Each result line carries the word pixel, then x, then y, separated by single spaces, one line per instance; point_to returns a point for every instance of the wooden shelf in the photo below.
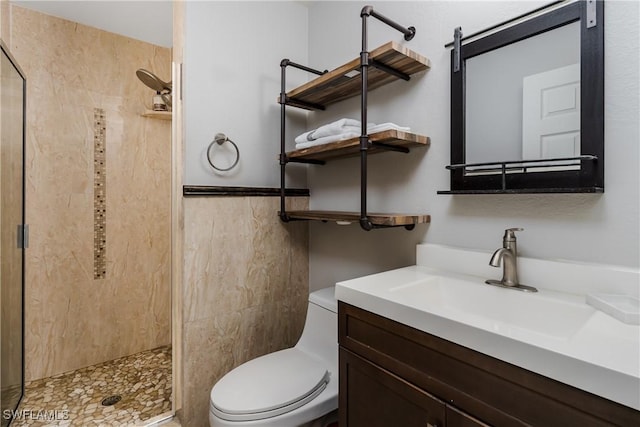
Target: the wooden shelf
pixel 162 115
pixel 351 147
pixel 387 63
pixel 344 81
pixel 354 217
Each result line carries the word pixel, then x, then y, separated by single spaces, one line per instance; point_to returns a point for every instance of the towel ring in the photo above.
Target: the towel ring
pixel 220 139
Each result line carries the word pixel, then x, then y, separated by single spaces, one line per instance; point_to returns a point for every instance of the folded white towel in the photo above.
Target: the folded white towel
pixel 353 133
pixel 386 126
pixel 328 139
pixel 335 128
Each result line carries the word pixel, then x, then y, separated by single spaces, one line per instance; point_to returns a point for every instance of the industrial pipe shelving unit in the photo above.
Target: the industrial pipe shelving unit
pixel 379 67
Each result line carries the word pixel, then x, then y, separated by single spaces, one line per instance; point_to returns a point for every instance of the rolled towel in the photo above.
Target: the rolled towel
pixel 334 128
pixel 302 138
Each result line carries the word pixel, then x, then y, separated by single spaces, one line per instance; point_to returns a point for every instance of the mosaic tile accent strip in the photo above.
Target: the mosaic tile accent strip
pixel 143 381
pixel 99 193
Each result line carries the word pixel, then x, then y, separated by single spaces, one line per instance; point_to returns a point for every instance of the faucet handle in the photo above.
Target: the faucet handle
pixel 510 235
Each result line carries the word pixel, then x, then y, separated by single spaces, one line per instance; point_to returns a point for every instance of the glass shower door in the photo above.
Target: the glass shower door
pixel 12 235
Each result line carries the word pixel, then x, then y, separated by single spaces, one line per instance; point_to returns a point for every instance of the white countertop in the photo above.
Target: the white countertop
pixel 553 333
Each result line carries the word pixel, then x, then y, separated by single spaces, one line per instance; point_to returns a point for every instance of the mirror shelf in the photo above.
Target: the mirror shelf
pixel 549 190
pixel 502 169
pixel 533 90
pixel 522 166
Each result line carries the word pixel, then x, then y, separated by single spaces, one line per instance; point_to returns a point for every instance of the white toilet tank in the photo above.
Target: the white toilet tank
pixel 320 335
pixel 289 388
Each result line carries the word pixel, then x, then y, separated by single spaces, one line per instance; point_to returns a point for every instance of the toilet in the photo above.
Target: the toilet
pixel 294 387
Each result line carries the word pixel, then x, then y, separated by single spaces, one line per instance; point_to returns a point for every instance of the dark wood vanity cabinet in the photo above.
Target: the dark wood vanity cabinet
pixel 379 398
pixel 376 397
pixel 394 375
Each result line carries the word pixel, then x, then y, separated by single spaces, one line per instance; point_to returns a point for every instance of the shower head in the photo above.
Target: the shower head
pixel 166 97
pixel 152 81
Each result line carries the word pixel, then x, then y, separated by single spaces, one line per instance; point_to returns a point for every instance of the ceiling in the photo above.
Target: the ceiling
pixel 146 20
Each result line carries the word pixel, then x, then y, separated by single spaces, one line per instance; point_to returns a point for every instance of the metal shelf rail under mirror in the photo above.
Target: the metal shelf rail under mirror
pixel 375 68
pixel 527 103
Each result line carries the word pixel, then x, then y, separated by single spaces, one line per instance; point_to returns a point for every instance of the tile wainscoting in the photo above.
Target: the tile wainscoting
pixel 245 288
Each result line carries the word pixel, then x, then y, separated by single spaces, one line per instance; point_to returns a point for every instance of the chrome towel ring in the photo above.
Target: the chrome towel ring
pixel 220 139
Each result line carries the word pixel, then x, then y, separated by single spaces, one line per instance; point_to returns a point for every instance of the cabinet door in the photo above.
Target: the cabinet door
pixel 456 418
pixel 373 397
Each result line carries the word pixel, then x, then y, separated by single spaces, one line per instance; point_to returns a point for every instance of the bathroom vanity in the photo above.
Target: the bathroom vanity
pixel 431 345
pixel 392 374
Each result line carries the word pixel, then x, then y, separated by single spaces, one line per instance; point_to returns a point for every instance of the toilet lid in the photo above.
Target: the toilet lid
pixel 268 386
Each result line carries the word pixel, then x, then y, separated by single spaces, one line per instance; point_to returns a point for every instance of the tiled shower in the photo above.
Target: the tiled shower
pixel 98 200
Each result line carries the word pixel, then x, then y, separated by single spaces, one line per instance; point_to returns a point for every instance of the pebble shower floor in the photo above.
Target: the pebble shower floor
pixel 142 380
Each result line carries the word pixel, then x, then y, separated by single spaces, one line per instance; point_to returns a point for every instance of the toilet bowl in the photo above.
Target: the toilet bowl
pixel 294 387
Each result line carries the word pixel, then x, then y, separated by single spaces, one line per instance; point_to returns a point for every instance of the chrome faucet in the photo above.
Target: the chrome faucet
pixel 507 255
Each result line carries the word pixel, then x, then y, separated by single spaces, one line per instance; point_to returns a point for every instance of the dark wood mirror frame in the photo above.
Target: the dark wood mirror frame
pixel 590 177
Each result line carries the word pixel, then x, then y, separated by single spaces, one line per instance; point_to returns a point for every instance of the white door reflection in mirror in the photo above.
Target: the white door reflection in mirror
pixel 551 115
pixel 493 91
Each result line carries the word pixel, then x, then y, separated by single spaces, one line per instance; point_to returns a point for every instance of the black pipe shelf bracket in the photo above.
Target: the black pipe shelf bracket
pixel 393 62
pixel 283 100
pixel 365 62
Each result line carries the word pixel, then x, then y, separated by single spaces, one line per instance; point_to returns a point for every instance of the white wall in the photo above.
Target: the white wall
pixel 232 80
pixel 591 228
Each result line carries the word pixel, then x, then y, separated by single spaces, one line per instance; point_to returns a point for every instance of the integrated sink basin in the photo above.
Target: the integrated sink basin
pixel 509 313
pixel 552 332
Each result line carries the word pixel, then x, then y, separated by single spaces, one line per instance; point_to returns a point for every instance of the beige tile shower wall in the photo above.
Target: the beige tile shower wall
pixel 245 289
pixel 5 34
pixel 72 319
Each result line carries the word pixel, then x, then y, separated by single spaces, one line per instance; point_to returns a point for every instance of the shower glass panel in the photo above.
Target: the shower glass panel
pixel 12 112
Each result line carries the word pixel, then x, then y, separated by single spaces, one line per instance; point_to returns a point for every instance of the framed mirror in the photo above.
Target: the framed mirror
pixel 527 105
